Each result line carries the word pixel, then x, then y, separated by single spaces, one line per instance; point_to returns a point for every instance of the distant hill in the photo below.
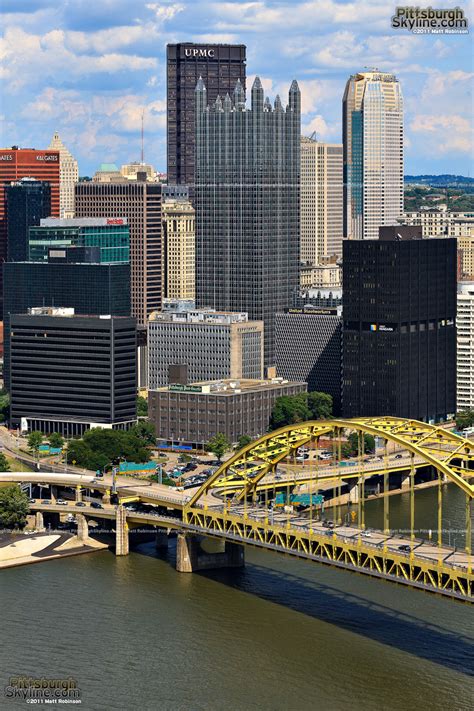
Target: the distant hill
pixel 440 180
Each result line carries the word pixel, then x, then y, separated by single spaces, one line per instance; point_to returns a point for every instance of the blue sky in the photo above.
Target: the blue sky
pixel 88 68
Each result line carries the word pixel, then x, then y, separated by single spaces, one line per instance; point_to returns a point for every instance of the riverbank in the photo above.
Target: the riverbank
pixel 24 549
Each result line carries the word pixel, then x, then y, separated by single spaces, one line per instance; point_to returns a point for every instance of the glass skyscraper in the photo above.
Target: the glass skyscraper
pixel 373 153
pixel 248 204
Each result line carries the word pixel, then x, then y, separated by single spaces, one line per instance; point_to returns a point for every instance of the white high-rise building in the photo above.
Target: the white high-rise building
pixel 465 346
pixel 68 176
pixel 321 200
pixel 373 153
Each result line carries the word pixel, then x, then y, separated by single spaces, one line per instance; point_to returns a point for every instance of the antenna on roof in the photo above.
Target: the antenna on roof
pixel 143 151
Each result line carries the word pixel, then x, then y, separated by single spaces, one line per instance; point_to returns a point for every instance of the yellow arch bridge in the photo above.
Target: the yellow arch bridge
pixel 237 504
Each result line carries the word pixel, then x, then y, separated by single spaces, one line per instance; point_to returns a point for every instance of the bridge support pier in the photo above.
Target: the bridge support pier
pixel 121 532
pixel 39 521
pixel 190 557
pixel 405 483
pixel 354 493
pixel 82 528
pixel 78 493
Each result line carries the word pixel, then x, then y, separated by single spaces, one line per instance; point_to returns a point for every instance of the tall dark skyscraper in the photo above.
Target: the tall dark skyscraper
pixel 248 204
pixel 399 333
pixel 27 202
pixel 219 65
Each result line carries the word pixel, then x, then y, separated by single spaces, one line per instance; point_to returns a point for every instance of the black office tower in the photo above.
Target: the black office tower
pixel 399 333
pixel 89 288
pixel 27 202
pixel 220 66
pixel 248 204
pixel 71 372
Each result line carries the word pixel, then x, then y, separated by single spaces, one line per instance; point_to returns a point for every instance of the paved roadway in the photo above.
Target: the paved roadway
pixel 377 539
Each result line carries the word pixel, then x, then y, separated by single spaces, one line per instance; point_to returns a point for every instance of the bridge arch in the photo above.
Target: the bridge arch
pixel 447 452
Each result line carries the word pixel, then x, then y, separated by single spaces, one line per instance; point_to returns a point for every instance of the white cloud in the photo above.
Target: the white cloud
pixel 444 132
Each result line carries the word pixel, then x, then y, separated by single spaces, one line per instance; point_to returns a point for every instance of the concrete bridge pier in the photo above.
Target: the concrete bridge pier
pixel 353 493
pixel 78 493
pixel 190 557
pixel 39 521
pixel 82 528
pixel 121 532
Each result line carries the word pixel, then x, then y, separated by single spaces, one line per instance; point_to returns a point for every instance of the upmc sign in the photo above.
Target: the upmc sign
pixel 199 52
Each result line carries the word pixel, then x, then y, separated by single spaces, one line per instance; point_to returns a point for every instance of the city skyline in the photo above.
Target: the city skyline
pixel 116 68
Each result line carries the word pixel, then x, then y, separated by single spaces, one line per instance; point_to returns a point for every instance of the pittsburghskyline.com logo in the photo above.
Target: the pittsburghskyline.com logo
pixel 428 20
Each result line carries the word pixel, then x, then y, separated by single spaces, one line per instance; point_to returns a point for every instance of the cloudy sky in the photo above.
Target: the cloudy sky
pixel 88 68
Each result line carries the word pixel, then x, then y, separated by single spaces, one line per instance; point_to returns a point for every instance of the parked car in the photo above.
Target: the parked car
pixel 61 502
pixel 96 505
pixel 32 501
pixel 80 503
pixel 46 501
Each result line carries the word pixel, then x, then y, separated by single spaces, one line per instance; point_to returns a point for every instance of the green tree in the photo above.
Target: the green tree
pixel 35 440
pixel 289 410
pixel 4 406
pixel 13 507
pixel 56 440
pixel 218 445
pixel 142 406
pixel 464 418
pixel 100 446
pixel 243 441
pixel 145 431
pixel 369 443
pixel 320 405
pixel 4 465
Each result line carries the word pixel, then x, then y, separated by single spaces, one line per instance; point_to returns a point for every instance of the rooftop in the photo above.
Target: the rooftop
pixel 230 387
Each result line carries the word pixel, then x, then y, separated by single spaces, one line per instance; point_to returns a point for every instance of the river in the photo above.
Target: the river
pixel 277 635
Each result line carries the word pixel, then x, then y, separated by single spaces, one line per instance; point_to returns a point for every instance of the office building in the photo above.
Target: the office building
pixel 399 333
pixel 466 257
pixel 319 298
pixel 465 346
pixel 321 276
pixel 372 130
pixel 17 163
pixel 110 234
pixel 441 222
pixel 139 202
pixel 71 372
pixel 27 201
pixel 132 170
pixel 68 176
pixel 248 204
pixel 179 249
pixel 107 173
pixel 308 344
pixel 192 414
pixel 87 286
pixel 321 200
pixel 211 344
pixel 219 66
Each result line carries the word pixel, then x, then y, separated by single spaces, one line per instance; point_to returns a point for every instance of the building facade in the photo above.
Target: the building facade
pixel 308 346
pixel 248 204
pixel 321 276
pixel 71 372
pixel 179 249
pixel 466 257
pixel 372 132
pixel 399 333
pixel 219 66
pixel 321 200
pixel 68 176
pixel 193 414
pixel 110 234
pixel 132 170
pixel 90 288
pixel 27 201
pixel 211 344
pixel 465 346
pixel 140 203
pixel 17 163
pixel 441 222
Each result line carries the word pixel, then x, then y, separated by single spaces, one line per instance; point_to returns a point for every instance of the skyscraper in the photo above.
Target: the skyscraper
pixel 179 249
pixel 321 200
pixel 248 204
pixel 465 346
pixel 140 202
pixel 399 333
pixel 27 202
pixel 373 153
pixel 68 176
pixel 219 65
